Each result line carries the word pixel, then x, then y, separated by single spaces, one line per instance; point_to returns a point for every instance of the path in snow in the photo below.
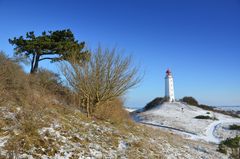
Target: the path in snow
pixel 169 116
pixel 212 127
pixel 209 137
pixel 168 127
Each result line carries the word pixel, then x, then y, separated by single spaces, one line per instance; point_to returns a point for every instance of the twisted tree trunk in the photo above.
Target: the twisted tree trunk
pixel 34 64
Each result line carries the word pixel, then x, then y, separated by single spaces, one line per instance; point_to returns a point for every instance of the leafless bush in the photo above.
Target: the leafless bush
pixel 105 77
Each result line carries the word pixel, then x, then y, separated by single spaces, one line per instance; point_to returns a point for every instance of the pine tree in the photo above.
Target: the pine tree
pixel 53 45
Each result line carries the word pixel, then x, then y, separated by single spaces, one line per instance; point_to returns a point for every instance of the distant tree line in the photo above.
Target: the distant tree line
pixel 192 101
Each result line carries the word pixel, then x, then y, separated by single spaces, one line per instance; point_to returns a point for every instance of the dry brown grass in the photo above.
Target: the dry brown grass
pixel 33 116
pixel 113 112
pixel 18 87
pixel 13 85
pixel 31 99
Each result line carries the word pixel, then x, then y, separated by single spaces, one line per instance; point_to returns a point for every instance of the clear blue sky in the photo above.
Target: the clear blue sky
pixel 199 40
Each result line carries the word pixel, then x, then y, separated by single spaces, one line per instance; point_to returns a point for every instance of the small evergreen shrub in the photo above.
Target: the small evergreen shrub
pixel 232 144
pixel 222 148
pixel 234 127
pixel 205 117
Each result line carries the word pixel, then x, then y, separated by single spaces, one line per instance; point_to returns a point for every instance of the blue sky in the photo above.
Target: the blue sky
pixel 198 40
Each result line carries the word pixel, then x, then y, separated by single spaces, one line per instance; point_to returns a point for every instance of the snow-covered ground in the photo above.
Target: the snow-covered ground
pixel 180 118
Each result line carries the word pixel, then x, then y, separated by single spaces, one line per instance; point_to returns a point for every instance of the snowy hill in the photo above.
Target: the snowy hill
pixel 180 118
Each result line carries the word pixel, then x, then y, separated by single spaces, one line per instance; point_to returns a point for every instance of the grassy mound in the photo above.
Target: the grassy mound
pixel 155 102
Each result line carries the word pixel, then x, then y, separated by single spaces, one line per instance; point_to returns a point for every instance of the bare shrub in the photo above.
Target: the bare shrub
pixel 105 77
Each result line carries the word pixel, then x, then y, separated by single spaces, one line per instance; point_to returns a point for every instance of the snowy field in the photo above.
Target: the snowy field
pixel 180 118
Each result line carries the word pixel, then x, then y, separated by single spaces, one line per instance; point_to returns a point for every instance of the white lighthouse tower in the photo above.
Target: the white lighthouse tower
pixel 169 89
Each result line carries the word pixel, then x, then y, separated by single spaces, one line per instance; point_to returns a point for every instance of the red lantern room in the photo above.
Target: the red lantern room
pixel 168 72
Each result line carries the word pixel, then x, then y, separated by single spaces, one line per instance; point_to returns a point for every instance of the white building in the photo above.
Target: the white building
pixel 169 89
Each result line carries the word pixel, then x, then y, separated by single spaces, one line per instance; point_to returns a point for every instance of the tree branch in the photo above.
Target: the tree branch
pixel 46 58
pixel 50 53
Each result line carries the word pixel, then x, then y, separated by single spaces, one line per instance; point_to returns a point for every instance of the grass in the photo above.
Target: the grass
pixel 112 112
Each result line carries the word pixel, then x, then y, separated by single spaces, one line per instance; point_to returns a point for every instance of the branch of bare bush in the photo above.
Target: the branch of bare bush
pixel 105 77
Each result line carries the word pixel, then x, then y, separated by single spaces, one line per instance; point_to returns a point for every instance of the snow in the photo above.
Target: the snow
pixel 95 150
pixel 179 118
pixel 212 127
pixel 222 131
pixel 3 141
pixel 122 146
pixel 26 156
pixel 130 109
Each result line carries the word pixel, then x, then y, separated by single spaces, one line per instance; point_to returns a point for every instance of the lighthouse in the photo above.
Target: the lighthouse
pixel 169 89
